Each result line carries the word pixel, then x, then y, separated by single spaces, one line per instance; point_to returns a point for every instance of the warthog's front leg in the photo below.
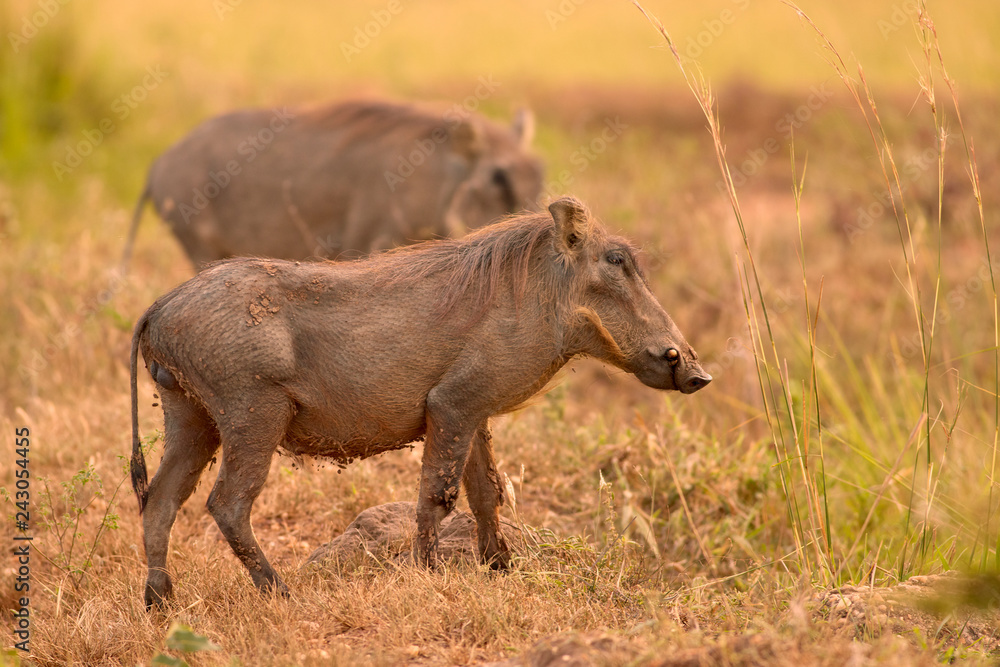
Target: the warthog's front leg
pixel 485 493
pixel 446 449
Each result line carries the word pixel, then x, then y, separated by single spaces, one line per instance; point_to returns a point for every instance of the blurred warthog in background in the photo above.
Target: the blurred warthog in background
pixel 338 181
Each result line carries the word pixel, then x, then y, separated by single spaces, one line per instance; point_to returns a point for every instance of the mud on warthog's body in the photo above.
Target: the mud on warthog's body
pixel 352 359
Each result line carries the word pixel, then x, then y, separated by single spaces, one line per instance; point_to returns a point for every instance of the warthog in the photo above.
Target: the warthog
pixel 348 360
pixel 336 181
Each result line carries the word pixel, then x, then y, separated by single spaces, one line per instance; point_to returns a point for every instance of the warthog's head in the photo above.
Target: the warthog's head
pixel 504 177
pixel 614 315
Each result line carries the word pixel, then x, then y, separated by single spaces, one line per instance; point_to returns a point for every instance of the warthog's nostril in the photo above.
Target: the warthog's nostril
pixel 695 383
pixel 672 355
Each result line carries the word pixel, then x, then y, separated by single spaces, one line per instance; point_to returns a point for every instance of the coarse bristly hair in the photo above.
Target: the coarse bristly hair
pixel 477 265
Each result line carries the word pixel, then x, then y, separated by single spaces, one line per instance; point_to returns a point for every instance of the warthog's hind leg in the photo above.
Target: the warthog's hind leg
pixel 191 440
pixel 248 443
pixel 485 493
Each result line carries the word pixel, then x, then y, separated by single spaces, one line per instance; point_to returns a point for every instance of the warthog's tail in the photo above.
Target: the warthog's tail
pixel 140 481
pixel 136 217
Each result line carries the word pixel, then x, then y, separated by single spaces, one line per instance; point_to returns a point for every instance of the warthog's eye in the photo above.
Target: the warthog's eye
pixel 672 355
pixel 501 179
pixel 615 258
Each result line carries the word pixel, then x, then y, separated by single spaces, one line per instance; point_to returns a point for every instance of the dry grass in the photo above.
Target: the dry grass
pixel 847 438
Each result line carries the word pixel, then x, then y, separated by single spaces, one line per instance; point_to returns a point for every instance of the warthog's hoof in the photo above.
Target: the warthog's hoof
pixel 498 562
pixel 428 559
pixel 426 551
pixel 270 584
pixel 494 552
pixel 157 596
pixel 279 589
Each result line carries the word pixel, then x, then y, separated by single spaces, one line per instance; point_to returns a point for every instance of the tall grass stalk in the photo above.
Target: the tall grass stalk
pixel 862 94
pixel 775 383
pixel 821 515
pixel 926 323
pixel 797 431
pixel 926 82
pixel 932 47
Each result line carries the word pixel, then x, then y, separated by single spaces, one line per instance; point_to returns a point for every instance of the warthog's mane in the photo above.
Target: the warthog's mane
pixel 479 267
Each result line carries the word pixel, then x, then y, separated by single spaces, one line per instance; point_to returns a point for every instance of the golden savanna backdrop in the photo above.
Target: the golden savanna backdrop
pixel 826 237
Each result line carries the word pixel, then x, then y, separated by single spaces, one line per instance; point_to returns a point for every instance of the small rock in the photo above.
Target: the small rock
pixel 387 531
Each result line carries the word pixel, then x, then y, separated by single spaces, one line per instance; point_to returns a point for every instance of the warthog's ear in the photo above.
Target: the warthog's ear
pixel 523 127
pixel 467 140
pixel 572 223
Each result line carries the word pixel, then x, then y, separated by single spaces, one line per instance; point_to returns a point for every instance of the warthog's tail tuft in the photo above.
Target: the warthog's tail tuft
pixel 140 480
pixel 136 217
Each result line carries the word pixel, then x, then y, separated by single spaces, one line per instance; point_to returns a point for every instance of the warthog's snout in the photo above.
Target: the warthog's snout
pixel 687 374
pixel 695 382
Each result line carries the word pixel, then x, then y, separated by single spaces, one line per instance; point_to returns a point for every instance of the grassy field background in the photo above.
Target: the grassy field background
pixel 850 435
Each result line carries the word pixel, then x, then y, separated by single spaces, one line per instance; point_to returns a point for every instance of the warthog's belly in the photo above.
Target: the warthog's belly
pixel 344 452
